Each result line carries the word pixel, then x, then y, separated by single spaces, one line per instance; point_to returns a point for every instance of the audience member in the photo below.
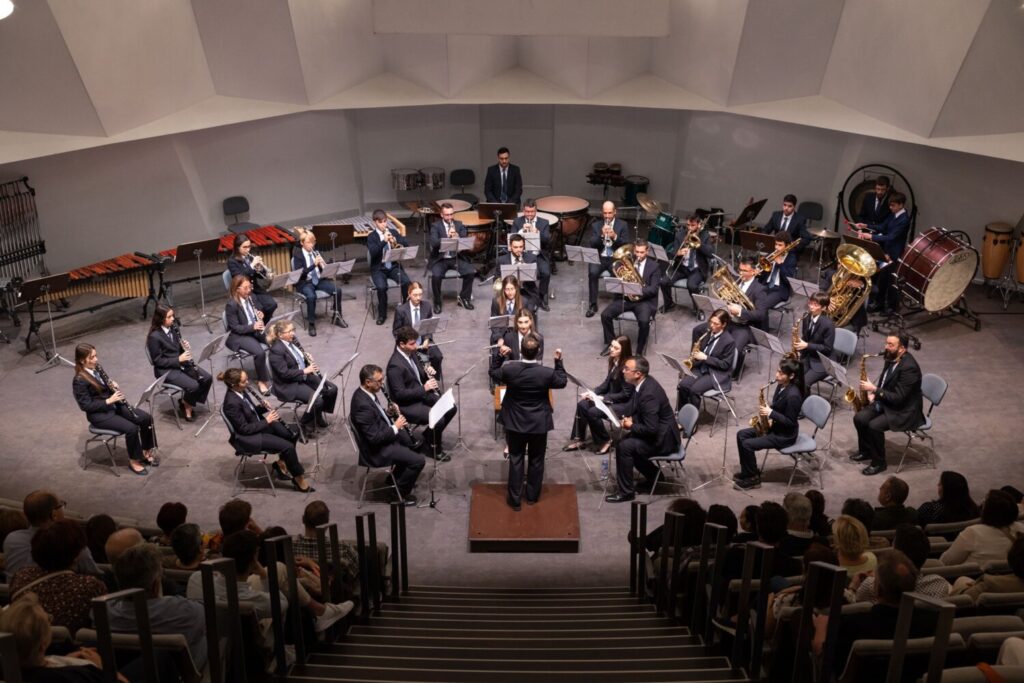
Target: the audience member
pixel 997 583
pixel 820 524
pixel 317 514
pixel 954 503
pixel 990 540
pixel 747 525
pixel 861 510
pixel 792 596
pixel 169 518
pixel 97 530
pixel 912 542
pixel 120 541
pixel 233 516
pixel 10 520
pixel 724 516
pixel 41 509
pixel 892 495
pixel 771 522
pixel 799 536
pixel 850 539
pixel 187 544
pixel 64 594
pixel 693 525
pixel 1017 495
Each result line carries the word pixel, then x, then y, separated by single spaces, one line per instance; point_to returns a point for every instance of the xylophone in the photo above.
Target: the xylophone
pixel 274 244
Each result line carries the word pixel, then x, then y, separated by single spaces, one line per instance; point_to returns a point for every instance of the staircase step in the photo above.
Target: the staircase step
pixel 500 675
pixel 620 602
pixel 518 633
pixel 500 662
pixel 617 591
pixel 490 642
pixel 522 621
pixel 342 653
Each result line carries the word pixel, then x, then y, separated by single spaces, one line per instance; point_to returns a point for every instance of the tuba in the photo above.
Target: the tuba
pixel 622 268
pixel 723 287
pixel 845 299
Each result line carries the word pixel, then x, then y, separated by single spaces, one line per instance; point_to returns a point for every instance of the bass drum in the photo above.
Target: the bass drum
pixel 936 269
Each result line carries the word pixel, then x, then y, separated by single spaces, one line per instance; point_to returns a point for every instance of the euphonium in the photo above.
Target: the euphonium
pixel 859 399
pixel 845 299
pixel 723 287
pixel 695 350
pixel 622 267
pixel 761 424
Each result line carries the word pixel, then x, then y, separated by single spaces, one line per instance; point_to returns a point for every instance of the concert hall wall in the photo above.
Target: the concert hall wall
pixel 155 193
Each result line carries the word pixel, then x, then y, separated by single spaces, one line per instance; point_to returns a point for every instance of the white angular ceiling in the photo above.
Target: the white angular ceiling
pixel 945 73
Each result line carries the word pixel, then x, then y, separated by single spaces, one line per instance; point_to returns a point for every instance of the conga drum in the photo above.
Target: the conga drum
pixel 1019 265
pixel 995 251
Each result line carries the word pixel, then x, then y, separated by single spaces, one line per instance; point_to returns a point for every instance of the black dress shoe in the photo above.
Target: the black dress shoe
pixel 667 307
pixel 465 303
pixel 515 506
pixel 380 321
pixel 859 457
pixel 531 502
pixel 312 329
pixel 544 305
pixel 620 497
pixel 309 488
pixel 321 422
pixel 340 322
pixel 746 483
pixel 437 309
pixel 591 311
pixel 873 469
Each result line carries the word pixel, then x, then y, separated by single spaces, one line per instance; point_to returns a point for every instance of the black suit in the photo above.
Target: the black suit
pixel 654 433
pixel 164 349
pixel 644 309
pixel 245 337
pixel 528 290
pixel 776 280
pixel 616 393
pixel 820 336
pixel 264 301
pixel 381 272
pixel 891 235
pixel 404 318
pixel 405 389
pixel 512 191
pixel 380 444
pixel 694 269
pixel 511 339
pixel 717 365
pixel 308 288
pixel 795 225
pixel 597 242
pixel 292 384
pixel 440 263
pixel 543 256
pixel 526 413
pixel 873 210
pixel 92 399
pixel 898 406
pixel 739 326
pixel 253 434
pixel 785 405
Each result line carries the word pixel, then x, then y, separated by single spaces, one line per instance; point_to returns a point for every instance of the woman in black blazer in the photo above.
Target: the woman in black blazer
pixel 510 344
pixel 245 324
pixel 241 262
pixel 509 298
pixel 107 408
pixel 168 354
pixel 616 393
pixel 295 379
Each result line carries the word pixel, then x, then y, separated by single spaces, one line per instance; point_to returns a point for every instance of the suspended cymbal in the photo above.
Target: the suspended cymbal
pixel 649 205
pixel 824 233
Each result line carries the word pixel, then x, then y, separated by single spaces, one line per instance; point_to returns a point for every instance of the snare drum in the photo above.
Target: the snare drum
pixel 433 177
pixel 406 179
pixel 663 230
pixel 936 269
pixel 995 250
pixel 635 184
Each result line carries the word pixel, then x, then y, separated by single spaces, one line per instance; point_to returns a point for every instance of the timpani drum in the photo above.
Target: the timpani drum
pixel 477 228
pixel 572 212
pixel 936 269
pixel 406 179
pixel 433 177
pixel 458 205
pixel 995 250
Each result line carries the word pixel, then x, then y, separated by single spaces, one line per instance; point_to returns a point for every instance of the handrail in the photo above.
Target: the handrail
pixel 207 569
pixel 105 640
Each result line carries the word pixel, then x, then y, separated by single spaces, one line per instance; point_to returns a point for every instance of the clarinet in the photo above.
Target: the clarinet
pixel 265 404
pixel 189 366
pixel 110 385
pixel 394 412
pixel 306 355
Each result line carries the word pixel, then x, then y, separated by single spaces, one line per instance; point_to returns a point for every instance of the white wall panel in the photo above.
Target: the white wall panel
pixel 420 59
pixel 473 59
pixel 559 60
pixel 528 132
pixel 611 61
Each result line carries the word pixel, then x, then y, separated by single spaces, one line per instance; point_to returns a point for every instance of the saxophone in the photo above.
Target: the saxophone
pixel 695 350
pixel 859 399
pixel 794 353
pixel 761 424
pixel 623 268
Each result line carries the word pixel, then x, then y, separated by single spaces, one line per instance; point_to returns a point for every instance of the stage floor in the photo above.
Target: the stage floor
pixel 44 431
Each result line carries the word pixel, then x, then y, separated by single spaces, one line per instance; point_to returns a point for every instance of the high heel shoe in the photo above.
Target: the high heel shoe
pixel 576 445
pixel 604 450
pixel 281 474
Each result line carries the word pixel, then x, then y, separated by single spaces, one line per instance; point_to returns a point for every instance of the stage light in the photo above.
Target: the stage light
pixel 6 7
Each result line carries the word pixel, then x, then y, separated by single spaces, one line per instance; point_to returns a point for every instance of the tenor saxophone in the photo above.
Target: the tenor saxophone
pixel 794 353
pixel 859 399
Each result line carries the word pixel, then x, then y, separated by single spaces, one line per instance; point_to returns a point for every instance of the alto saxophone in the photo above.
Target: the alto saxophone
pixel 695 350
pixel 857 398
pixel 761 423
pixel 794 353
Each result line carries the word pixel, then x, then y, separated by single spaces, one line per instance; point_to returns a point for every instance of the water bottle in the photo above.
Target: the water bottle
pixel 604 469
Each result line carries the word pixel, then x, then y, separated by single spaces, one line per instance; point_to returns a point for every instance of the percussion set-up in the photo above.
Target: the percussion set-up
pixel 1002 259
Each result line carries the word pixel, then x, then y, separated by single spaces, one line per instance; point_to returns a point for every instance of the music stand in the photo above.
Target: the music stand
pixel 587 256
pixel 284 316
pixel 532 240
pixel 749 213
pixel 32 290
pixel 659 252
pixel 676 365
pixel 206 355
pixel 770 342
pixel 623 289
pixel 147 397
pixel 802 287
pixel 331 272
pixel 498 212
pixel 457 385
pixel 758 242
pixel 708 304
pixel 437 412
pixel 839 373
pixel 400 254
pixel 339 234
pixel 284 280
pixel 499 322
pixel 344 380
pixel 524 272
pixel 316 438
pixel 199 250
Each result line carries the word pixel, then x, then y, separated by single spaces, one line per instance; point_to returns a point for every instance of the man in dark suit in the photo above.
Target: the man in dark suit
pixel 784 411
pixel 776 280
pixel 381 441
pixel 817 335
pixel 440 263
pixel 688 264
pixel 516 255
pixel 531 223
pixel 712 361
pixel 606 235
pixel 741 319
pixel 644 309
pixel 874 209
pixel 790 221
pixel 504 182
pixel 895 404
pixel 526 413
pixel 379 242
pixel 415 390
pixel 409 314
pixel 652 430
pixel 891 234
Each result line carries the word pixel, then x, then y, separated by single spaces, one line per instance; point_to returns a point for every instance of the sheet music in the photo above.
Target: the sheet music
pixel 439 409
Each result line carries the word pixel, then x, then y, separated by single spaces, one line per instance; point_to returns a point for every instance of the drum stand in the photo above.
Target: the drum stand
pixel 1008 284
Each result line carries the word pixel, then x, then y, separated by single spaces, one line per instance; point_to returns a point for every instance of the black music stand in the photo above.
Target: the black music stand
pixel 30 291
pixel 749 213
pixel 757 242
pixel 199 250
pixel 498 212
pixel 339 235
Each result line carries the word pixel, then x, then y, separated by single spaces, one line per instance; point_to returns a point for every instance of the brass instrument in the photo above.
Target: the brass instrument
pixel 264 275
pixel 761 423
pixel 695 350
pixel 692 241
pixel 189 367
pixel 112 385
pixel 857 398
pixel 764 263
pixel 608 239
pixel 844 297
pixel 400 224
pixel 722 286
pixel 622 268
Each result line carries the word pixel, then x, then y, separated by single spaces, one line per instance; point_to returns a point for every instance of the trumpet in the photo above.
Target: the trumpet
pixel 256 263
pixel 608 235
pixel 112 385
pixel 695 350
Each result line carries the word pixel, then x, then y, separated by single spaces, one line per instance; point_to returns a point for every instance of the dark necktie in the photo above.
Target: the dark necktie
pixel 785 222
pixel 416 316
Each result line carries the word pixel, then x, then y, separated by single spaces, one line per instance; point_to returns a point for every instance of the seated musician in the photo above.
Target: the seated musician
pixel 414 389
pixel 246 328
pixel 379 242
pixel 386 443
pixel 895 404
pixel 259 428
pixel 891 235
pixel 859 319
pixel 296 376
pixel 689 264
pixel 242 262
pixel 644 308
pixel 714 347
pixel 742 317
pixel 169 354
pixel 440 263
pixel 817 335
pixel 106 407
pixel 532 224
pixel 509 346
pixel 614 391
pixel 409 314
pixel 776 279
pixel 650 430
pixel 607 234
pixel 305 257
pixel 507 301
pixel 517 255
pixel 783 410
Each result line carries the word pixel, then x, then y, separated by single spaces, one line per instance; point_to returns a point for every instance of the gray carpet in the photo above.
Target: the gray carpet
pixel 44 431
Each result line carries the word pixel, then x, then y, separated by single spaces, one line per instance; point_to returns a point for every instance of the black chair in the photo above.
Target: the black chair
pixel 235 207
pixel 245 455
pixel 461 178
pixel 812 211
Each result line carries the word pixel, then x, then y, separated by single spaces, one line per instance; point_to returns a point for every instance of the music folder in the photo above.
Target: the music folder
pixel 659 252
pixel 500 322
pixel 439 409
pixel 333 270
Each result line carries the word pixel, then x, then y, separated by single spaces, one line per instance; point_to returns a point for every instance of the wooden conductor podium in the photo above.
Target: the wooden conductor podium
pixel 550 526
